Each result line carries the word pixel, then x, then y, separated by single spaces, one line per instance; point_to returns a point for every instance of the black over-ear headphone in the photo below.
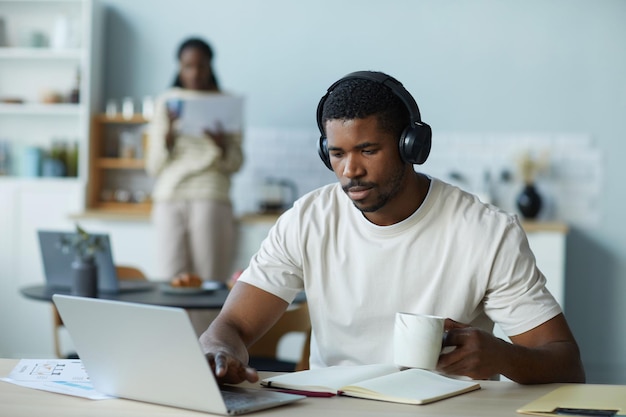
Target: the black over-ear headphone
pixel 414 142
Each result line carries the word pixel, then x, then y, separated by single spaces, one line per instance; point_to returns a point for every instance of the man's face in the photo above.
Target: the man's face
pixel 366 161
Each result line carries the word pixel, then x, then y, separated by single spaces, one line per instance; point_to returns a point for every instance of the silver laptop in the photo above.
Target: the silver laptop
pixel 151 353
pixel 57 265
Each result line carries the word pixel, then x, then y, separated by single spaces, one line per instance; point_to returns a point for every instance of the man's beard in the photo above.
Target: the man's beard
pixel 395 184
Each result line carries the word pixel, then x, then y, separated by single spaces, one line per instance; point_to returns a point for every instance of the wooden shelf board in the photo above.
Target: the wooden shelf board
pixel 56 109
pixel 130 207
pixel 119 119
pixel 117 214
pixel 39 53
pixel 120 163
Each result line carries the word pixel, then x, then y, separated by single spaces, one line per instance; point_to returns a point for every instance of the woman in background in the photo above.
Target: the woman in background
pixel 192 210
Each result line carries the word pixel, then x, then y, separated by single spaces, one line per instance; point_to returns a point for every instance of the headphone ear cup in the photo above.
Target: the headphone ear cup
pixel 322 150
pixel 415 143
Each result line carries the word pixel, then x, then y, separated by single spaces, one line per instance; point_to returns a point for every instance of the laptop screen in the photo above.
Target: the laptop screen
pixel 57 264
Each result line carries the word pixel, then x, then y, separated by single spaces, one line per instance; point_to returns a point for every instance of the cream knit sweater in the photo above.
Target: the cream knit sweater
pixel 196 168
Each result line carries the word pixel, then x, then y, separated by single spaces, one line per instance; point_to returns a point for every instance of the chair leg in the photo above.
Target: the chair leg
pixel 303 364
pixel 57 324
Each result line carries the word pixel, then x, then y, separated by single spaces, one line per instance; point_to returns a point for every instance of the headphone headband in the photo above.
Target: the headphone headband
pixel 387 80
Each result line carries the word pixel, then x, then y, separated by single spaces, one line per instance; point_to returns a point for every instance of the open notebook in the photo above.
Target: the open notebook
pixel 383 382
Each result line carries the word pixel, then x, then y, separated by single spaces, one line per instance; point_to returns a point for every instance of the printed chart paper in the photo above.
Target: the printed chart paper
pixel 63 376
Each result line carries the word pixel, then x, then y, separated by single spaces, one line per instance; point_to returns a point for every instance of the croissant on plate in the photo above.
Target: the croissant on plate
pixel 186 280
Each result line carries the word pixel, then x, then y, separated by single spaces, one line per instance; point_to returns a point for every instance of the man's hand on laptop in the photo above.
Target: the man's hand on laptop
pixel 228 369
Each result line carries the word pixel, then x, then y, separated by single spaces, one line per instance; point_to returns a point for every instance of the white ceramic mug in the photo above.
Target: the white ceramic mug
pixel 417 340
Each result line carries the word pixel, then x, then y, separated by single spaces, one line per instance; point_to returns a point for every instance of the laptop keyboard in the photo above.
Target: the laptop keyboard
pixel 241 399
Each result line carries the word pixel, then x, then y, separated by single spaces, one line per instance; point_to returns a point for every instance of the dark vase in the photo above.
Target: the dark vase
pixel 85 280
pixel 529 202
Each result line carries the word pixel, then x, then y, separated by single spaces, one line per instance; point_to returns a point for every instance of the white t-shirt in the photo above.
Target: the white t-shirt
pixel 454 257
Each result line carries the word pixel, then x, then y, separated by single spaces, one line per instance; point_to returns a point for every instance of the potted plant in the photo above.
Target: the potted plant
pixel 84 247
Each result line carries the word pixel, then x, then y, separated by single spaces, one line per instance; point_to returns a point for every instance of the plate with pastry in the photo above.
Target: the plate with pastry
pixel 190 284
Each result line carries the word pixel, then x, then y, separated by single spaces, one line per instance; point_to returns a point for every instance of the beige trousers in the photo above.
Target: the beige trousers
pixel 196 237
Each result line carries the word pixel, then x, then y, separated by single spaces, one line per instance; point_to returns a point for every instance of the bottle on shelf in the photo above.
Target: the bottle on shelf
pixel 71 160
pixel 128 108
pixel 147 107
pixel 128 145
pixel 5 158
pixel 111 108
pixel 3 33
pixel 60 38
pixel 31 162
pixel 54 161
pixel 75 92
pixel 484 192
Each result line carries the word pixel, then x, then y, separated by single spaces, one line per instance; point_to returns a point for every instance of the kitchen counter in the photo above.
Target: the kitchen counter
pixel 533 226
pixel 265 218
pixel 112 215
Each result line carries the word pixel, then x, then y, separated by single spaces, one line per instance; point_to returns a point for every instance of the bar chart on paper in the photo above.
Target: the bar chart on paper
pixel 64 376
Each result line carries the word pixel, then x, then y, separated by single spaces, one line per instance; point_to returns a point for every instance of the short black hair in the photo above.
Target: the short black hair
pixel 202 46
pixel 357 98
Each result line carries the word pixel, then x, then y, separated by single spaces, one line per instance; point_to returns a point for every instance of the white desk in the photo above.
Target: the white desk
pixel 497 399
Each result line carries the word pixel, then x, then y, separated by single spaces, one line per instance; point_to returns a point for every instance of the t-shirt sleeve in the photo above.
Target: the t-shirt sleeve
pixel 517 298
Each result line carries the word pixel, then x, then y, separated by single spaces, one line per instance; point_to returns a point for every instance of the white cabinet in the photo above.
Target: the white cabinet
pixel 26 206
pixel 549 249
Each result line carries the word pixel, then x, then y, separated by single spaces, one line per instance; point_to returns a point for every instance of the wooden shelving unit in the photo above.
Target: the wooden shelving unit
pixel 116 179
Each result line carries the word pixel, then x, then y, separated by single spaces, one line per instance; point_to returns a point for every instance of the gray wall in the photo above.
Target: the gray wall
pixel 550 66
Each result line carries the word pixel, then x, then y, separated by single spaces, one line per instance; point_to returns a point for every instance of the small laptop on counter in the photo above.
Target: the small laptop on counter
pixel 57 265
pixel 151 353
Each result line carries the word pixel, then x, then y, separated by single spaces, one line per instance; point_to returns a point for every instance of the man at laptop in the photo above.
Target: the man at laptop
pixel 386 239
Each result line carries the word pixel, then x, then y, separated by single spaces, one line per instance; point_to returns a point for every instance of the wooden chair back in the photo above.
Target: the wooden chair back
pixel 129 273
pixel 295 319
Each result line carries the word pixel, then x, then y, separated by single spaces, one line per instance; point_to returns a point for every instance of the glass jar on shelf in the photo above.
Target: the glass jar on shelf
pixel 128 108
pixel 128 145
pixel 5 157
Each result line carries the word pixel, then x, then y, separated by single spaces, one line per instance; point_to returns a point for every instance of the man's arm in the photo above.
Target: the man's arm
pixel 547 353
pixel 248 313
